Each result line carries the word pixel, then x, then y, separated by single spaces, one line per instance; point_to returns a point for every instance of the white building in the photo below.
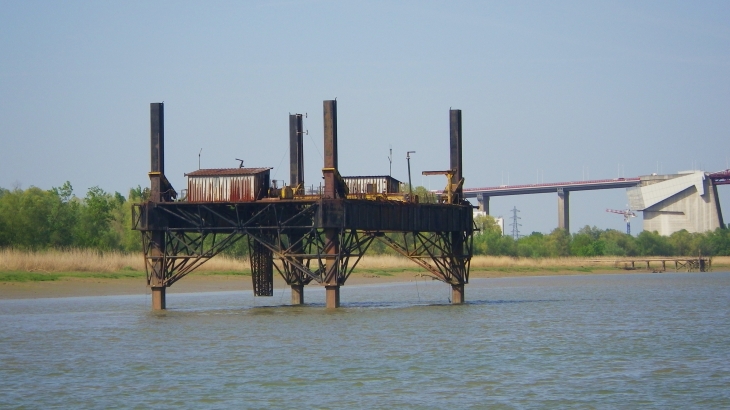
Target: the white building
pixel 499 220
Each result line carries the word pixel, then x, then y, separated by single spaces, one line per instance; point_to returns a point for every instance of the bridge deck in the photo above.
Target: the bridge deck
pixel 552 187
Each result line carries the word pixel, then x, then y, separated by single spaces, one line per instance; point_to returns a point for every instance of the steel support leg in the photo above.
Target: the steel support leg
pixel 457 294
pixel 333 297
pixel 157 277
pixel 297 294
pixel 158 298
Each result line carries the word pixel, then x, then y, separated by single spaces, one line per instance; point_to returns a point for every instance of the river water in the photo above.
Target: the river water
pixel 598 341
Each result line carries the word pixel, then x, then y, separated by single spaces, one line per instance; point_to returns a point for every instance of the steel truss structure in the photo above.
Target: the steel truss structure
pixel 290 237
pixel 449 252
pixel 304 238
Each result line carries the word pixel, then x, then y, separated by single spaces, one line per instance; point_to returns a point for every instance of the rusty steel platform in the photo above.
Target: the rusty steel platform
pixel 304 238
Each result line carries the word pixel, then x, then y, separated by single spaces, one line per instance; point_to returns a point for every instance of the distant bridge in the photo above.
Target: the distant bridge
pixel 667 204
pixel 503 190
pixel 562 188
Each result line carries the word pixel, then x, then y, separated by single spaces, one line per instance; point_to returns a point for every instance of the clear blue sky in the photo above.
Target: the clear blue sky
pixel 563 90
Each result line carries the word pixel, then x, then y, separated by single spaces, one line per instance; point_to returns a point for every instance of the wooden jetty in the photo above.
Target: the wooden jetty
pixel 690 264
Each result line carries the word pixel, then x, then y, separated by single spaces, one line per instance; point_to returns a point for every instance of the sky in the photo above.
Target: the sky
pixel 549 91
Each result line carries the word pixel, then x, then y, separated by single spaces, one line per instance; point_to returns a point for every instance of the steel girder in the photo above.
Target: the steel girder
pixel 195 233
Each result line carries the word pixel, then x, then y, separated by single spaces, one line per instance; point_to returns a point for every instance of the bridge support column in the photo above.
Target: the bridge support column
pixel 563 209
pixel 716 198
pixel 483 201
pixel 297 294
pixel 457 294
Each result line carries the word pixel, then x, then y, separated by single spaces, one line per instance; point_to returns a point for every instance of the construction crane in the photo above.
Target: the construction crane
pixel 628 214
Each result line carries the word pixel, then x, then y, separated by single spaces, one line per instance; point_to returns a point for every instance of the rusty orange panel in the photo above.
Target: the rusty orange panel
pixel 228 185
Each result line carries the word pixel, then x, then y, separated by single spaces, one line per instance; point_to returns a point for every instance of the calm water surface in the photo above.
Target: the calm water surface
pixel 602 341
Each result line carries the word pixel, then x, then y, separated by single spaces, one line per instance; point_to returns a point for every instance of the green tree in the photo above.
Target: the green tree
pixel 719 242
pixel 682 243
pixel 618 243
pixel 93 228
pixel 63 216
pixel 653 244
pixel 139 194
pixel 702 244
pixel 533 246
pixel 424 195
pixel 586 242
pixel 489 239
pixel 558 243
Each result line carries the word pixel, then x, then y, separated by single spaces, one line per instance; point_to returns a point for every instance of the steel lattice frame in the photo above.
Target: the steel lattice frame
pixel 183 253
pixel 450 264
pixel 286 237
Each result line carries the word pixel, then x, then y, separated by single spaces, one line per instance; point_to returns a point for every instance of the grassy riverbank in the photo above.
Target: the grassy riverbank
pixel 91 273
pixel 21 266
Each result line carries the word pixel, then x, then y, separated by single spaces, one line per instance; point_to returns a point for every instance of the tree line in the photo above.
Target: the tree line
pixel 37 219
pixel 592 241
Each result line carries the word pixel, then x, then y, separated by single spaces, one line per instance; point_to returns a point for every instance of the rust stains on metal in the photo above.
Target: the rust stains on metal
pixel 375 184
pixel 228 184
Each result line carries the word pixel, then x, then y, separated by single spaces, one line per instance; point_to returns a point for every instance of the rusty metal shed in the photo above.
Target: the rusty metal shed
pixel 375 184
pixel 228 184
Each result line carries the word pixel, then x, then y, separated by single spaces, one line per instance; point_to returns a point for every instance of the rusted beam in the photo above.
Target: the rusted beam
pixel 458 271
pixel 332 240
pixel 330 148
pixel 455 150
pixel 157 171
pixel 262 268
pixel 296 151
pixel 157 137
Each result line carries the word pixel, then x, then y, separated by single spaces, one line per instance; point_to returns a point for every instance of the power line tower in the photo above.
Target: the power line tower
pixel 515 226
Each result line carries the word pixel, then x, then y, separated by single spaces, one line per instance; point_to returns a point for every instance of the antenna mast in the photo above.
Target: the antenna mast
pixel 390 160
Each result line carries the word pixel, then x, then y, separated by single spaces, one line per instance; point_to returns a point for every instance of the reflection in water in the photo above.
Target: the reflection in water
pixel 601 340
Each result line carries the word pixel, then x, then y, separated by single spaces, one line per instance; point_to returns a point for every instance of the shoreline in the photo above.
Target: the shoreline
pixel 80 286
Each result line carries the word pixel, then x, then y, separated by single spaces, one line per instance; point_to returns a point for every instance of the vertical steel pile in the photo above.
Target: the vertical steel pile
pixel 331 235
pixel 457 241
pixel 157 176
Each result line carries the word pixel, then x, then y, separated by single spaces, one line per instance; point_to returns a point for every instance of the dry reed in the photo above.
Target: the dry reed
pixel 94 261
pixel 84 260
pixel 489 262
pixel 486 262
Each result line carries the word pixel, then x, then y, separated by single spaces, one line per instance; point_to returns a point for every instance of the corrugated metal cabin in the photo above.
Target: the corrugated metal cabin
pixel 377 184
pixel 228 184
